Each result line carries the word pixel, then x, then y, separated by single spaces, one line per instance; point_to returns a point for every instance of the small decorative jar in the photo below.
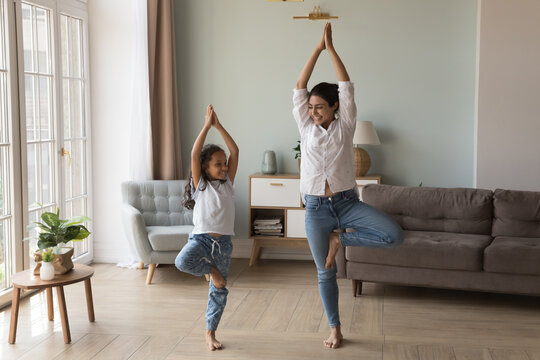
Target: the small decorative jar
pixel 46 271
pixel 269 163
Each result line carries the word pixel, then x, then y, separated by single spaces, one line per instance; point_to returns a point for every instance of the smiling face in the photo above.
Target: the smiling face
pixel 321 113
pixel 217 166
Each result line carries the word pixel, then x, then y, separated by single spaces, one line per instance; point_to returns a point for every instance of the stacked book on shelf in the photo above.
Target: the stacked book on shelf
pixel 268 226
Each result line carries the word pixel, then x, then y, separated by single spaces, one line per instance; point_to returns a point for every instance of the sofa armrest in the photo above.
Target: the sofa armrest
pixel 340 263
pixel 136 232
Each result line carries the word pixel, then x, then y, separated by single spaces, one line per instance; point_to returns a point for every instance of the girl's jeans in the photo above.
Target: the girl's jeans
pixel 197 257
pixel 344 210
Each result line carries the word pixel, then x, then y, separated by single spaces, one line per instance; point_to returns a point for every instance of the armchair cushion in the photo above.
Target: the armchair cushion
pixel 168 238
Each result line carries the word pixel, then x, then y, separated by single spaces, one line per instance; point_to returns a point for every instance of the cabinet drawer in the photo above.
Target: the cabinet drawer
pixel 296 224
pixel 275 192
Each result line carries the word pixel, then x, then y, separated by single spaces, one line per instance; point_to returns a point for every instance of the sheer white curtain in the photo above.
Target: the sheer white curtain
pixel 140 154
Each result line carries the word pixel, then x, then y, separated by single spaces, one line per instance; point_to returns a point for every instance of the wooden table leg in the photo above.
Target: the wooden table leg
pixel 89 300
pixel 50 304
pixel 14 314
pixel 63 314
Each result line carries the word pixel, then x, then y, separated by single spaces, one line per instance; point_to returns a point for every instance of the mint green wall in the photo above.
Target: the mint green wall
pixel 412 62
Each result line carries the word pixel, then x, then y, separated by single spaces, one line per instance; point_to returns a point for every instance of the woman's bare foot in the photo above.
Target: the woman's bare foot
pixel 217 279
pixel 335 339
pixel 333 247
pixel 211 340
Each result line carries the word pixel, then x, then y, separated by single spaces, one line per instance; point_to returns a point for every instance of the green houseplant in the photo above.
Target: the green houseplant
pixel 46 272
pixel 55 233
pixel 297 153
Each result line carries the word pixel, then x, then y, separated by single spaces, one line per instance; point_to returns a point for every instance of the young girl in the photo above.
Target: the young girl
pixel 326 119
pixel 210 194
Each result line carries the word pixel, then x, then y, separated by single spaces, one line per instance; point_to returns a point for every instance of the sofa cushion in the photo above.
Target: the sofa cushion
pixel 513 255
pixel 458 210
pixel 168 238
pixel 516 213
pixel 433 250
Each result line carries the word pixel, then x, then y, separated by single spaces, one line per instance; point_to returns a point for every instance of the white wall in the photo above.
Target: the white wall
pixel 508 149
pixel 413 64
pixel 412 61
pixel 111 47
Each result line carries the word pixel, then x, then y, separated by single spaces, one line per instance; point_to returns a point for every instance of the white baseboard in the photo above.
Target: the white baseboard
pixel 241 250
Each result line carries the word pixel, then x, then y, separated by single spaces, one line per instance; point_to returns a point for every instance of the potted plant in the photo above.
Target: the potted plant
pixel 297 153
pixel 55 233
pixel 46 271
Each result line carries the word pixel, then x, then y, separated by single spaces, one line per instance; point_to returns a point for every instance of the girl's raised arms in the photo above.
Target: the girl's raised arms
pixel 231 145
pixel 198 145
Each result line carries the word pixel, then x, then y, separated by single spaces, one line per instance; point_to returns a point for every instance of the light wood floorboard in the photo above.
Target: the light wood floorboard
pixel 273 312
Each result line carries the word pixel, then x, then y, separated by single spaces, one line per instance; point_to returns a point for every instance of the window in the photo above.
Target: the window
pixel 44 115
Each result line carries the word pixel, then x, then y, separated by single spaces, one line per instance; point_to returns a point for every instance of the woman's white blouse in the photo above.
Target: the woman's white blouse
pixel 327 155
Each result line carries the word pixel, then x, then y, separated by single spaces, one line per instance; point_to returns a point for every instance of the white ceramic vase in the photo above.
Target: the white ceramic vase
pixel 46 271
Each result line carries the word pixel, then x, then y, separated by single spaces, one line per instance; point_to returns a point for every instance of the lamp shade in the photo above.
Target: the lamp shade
pixel 365 134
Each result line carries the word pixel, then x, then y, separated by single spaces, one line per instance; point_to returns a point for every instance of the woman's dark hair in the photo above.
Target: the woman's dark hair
pixel 329 92
pixel 206 154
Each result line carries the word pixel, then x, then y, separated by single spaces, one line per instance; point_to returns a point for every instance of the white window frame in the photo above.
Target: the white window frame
pixel 15 61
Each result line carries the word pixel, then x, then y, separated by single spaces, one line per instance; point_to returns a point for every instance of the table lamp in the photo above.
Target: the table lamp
pixel 364 134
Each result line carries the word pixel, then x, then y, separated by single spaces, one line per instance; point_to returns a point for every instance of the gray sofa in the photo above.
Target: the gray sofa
pixel 155 221
pixel 468 239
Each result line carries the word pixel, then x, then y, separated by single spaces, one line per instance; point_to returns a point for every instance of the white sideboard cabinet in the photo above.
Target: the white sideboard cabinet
pixel 276 212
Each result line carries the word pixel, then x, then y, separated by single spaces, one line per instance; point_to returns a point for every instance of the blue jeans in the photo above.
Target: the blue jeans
pixel 344 210
pixel 198 256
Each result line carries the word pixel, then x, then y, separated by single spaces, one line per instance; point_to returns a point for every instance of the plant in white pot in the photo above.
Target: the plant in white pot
pixel 55 233
pixel 46 271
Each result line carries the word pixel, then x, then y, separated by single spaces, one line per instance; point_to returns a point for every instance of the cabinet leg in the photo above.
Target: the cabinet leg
pixel 255 252
pixel 357 287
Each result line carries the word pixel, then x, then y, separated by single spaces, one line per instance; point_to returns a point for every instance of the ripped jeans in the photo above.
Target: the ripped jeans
pixel 372 228
pixel 197 257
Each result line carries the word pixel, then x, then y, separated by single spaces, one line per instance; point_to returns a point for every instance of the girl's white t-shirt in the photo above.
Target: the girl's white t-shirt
pixel 214 207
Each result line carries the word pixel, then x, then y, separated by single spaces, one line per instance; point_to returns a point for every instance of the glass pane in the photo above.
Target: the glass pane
pixel 75 41
pixel 4 128
pixel 2 40
pixel 66 109
pixel 76 113
pixel 45 108
pixel 33 172
pixel 4 180
pixel 79 208
pixel 67 174
pixel 28 38
pixel 32 235
pixel 30 102
pixel 47 168
pixel 42 25
pixel 64 31
pixel 78 171
pixel 4 237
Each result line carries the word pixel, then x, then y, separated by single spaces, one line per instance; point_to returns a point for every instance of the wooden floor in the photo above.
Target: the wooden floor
pixel 273 312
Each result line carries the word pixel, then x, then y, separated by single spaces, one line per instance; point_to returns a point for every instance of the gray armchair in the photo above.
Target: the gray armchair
pixel 155 220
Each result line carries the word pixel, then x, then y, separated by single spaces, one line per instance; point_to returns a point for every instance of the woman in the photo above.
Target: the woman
pixel 326 119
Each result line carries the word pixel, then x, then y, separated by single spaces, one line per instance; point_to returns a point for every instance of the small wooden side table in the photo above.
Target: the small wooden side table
pixel 27 280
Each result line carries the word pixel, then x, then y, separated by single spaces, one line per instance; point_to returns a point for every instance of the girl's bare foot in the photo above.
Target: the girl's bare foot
pixel 217 279
pixel 335 339
pixel 211 340
pixel 333 247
